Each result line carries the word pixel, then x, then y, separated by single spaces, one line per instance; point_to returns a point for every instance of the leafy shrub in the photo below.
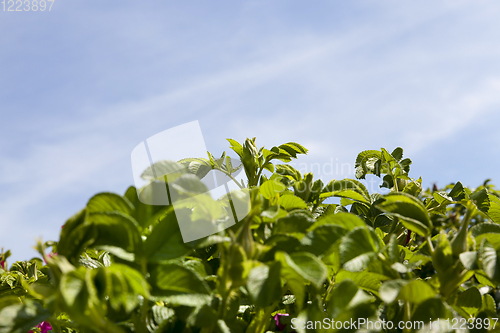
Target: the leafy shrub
pixel 122 266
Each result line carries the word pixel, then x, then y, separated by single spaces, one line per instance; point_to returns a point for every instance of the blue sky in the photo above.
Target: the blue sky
pixel 82 85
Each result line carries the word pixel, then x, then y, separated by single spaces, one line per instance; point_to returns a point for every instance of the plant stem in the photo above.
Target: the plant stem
pixel 407 315
pixel 459 242
pixel 330 287
pixel 258 176
pixel 429 242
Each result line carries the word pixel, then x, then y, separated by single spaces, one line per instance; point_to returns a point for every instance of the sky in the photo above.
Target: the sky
pixel 83 84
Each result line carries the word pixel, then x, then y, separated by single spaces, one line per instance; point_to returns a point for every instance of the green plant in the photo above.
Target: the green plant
pixel 409 255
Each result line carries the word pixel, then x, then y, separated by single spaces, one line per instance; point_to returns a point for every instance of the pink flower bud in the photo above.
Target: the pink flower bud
pixel 43 326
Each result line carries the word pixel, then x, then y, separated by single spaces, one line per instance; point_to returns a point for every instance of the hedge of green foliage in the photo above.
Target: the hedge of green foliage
pixel 294 263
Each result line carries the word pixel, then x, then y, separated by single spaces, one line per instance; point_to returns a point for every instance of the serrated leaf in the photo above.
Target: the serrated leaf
pixel 470 300
pixel 368 281
pixel 489 261
pixel 109 202
pixel 416 292
pixel 236 146
pixel 300 268
pixel 469 260
pixel 165 241
pixel 345 220
pixel 321 238
pixel 358 247
pixel 430 310
pixel 397 153
pixel 263 284
pixel 173 278
pixel 305 264
pixel 494 209
pixel 160 169
pixel 414 187
pixel 410 210
pixel 294 222
pixel 271 188
pixel 290 202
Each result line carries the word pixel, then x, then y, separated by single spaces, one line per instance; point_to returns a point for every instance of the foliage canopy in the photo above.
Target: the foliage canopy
pixel 411 254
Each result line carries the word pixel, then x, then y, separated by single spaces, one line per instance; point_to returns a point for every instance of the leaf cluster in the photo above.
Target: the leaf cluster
pixel 122 266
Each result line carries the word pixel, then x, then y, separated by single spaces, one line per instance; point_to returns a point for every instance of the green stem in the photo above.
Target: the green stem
pixel 429 243
pixel 145 301
pixel 223 283
pixel 230 176
pixel 330 287
pixel 459 242
pixel 407 315
pixel 234 180
pixel 258 176
pixel 395 181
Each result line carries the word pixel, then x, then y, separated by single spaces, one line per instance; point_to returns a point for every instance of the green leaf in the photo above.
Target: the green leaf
pixel 365 163
pixel 346 296
pixel 271 188
pixel 410 210
pixel 300 268
pixel 288 170
pixel 345 220
pixel 347 188
pixel 368 281
pixel 20 318
pixel 489 261
pixel 470 300
pixel 494 209
pixel 431 310
pixel 442 198
pixel 116 229
pixel 120 284
pixel 389 290
pixel 341 296
pixel 416 292
pixel 488 304
pixel 191 300
pixel 485 228
pixel 481 200
pixel 457 192
pixel 187 186
pixel 320 239
pixel 165 241
pixel 297 147
pixel 73 291
pixel 101 229
pixel 306 265
pixel 75 235
pixel 443 257
pixel 236 146
pixel 174 278
pixel 294 222
pixel 348 194
pixel 290 202
pixel 414 187
pixel 160 169
pixel 142 213
pixel 469 260
pixel 263 284
pixel 109 202
pixel 358 248
pixel 397 153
